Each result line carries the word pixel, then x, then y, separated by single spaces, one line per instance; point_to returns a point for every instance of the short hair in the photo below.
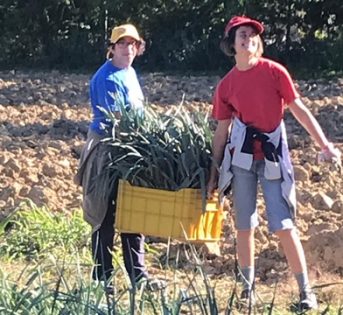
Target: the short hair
pixel 228 42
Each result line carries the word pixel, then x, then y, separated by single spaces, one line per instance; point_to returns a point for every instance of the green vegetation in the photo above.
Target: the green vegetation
pixel 181 35
pixel 31 232
pixel 56 280
pixel 170 150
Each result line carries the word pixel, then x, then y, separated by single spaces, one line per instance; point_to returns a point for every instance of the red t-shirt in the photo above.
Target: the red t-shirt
pixel 256 96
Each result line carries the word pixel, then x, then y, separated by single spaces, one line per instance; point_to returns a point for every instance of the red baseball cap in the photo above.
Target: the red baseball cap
pixel 243 20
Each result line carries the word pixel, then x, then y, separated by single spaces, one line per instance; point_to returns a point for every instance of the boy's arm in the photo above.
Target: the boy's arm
pixel 218 146
pixel 310 123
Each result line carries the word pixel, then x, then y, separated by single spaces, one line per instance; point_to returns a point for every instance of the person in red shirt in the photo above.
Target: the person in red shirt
pixel 256 92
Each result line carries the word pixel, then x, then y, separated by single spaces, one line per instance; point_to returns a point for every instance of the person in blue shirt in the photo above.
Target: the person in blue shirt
pixel 113 88
pixel 115 84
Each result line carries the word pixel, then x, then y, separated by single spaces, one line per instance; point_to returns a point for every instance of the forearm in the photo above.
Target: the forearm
pixel 218 147
pixel 309 122
pixel 217 157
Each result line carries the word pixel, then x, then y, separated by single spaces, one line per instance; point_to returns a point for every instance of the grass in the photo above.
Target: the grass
pixel 31 231
pixel 46 269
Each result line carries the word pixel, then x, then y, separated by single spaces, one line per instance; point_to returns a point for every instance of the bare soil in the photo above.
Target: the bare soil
pixel 43 124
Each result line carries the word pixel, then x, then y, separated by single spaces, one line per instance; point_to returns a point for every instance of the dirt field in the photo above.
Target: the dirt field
pixel 43 124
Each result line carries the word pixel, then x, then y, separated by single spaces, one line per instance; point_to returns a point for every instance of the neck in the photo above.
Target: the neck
pixel 244 63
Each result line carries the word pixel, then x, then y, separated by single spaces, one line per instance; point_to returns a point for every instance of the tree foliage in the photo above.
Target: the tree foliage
pixel 181 35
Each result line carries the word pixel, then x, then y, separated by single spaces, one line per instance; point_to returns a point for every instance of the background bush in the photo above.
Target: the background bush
pixel 181 35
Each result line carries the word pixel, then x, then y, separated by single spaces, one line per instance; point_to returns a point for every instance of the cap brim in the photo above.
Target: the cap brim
pixel 128 34
pixel 255 24
pixel 258 26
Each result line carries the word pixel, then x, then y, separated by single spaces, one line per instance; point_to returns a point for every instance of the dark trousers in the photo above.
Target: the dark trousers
pixel 132 247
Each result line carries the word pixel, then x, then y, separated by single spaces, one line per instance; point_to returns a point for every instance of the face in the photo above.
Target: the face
pixel 246 40
pixel 124 51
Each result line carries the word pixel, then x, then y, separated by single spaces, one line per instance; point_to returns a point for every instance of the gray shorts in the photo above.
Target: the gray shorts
pixel 244 190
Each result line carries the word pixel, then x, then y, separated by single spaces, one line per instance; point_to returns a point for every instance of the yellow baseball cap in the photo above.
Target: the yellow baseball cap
pixel 124 30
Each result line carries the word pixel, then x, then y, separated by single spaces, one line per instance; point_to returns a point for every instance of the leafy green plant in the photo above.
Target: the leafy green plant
pixel 33 230
pixel 68 290
pixel 170 150
pixel 64 286
pixel 37 295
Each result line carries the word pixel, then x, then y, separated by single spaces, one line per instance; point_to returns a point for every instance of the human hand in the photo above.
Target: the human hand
pixel 212 186
pixel 330 154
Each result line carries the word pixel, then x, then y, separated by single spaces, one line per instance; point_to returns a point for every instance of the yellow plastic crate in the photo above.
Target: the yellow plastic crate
pixel 164 213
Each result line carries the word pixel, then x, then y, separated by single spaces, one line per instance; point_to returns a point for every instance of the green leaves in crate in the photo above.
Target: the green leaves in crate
pixel 163 150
